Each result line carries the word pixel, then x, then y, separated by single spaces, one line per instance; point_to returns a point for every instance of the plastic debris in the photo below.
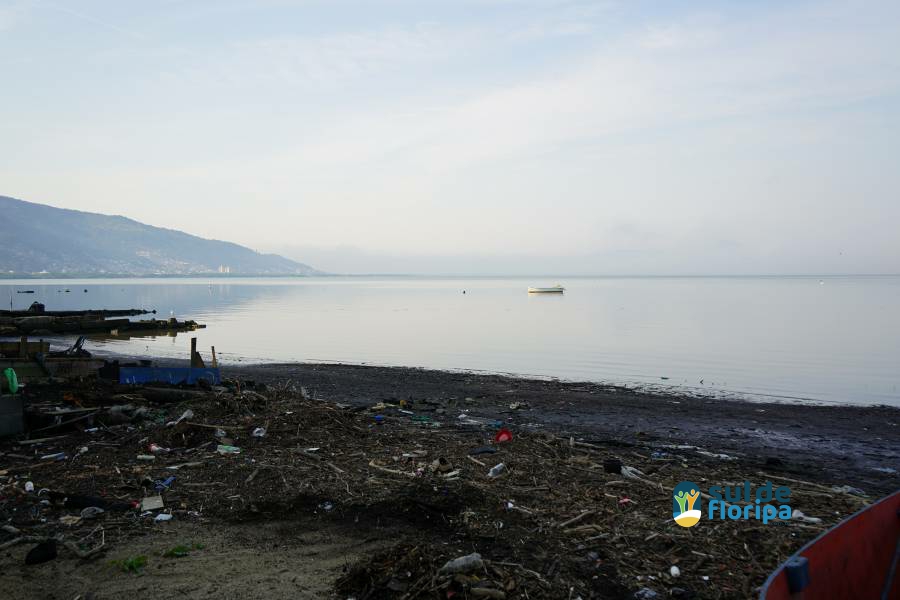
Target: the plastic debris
pixel 224 449
pixel 720 456
pixel 674 571
pixel 157 449
pixel 463 564
pixel 57 456
pixel 147 457
pixel 91 512
pixel 504 435
pixel 612 465
pixel 798 515
pixel 161 517
pixel 152 503
pixel 188 414
pixel 846 489
pixel 259 432
pixel 29 486
pixel 43 552
pixel 482 450
pixel 165 484
pixel 646 594
pixel 631 472
pixel 497 470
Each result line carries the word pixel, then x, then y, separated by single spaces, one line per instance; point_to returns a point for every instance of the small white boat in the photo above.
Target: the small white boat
pixel 556 289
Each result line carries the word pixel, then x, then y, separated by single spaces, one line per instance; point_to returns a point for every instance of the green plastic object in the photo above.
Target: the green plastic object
pixel 12 380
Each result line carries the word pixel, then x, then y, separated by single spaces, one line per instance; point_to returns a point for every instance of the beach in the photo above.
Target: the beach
pixel 367 480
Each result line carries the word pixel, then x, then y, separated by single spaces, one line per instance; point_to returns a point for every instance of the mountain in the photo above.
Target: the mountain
pixel 37 239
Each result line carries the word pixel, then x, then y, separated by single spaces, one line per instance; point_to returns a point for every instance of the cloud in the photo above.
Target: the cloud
pixel 610 137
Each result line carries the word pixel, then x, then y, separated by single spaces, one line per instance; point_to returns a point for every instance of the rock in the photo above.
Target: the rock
pixel 463 564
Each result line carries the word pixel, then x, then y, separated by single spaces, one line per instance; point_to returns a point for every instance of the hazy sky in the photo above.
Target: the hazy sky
pixel 470 136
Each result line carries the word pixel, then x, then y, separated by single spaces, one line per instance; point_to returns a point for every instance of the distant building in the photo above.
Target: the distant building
pixel 224 269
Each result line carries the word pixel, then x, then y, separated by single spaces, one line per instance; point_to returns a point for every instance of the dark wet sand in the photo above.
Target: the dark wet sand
pixel 811 442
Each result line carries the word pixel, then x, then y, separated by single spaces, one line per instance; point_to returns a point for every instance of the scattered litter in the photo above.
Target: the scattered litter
pixel 798 515
pixel 846 489
pixel 259 432
pixel 161 517
pixel 720 456
pixel 152 503
pixel 497 470
pixel 224 449
pixel 646 594
pixel 482 450
pixel 91 512
pixel 188 414
pixel 165 484
pixel 504 435
pixel 631 472
pixel 887 470
pixel 674 571
pixel 29 486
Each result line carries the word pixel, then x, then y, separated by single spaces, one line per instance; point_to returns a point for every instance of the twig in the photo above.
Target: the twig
pixel 574 520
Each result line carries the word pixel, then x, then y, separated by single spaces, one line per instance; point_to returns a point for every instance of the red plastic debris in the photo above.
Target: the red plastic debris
pixel 504 435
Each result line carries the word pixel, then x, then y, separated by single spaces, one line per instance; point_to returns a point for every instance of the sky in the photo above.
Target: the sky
pixel 471 136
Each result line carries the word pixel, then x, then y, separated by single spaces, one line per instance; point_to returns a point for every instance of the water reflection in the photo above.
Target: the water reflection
pixel 786 337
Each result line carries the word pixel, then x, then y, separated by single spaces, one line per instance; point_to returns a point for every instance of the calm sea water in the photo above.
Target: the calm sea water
pixel 835 340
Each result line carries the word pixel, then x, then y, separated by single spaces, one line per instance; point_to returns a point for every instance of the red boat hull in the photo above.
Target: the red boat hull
pixel 854 559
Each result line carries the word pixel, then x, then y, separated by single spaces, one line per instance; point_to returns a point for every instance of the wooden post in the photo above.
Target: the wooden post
pixel 196 361
pixel 215 361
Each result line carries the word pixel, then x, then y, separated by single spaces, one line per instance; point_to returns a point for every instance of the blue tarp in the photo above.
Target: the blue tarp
pixel 172 375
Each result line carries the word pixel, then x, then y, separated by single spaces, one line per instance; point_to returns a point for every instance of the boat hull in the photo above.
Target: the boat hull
pixel 854 559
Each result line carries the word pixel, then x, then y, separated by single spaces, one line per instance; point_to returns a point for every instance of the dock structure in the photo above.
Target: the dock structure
pixel 37 321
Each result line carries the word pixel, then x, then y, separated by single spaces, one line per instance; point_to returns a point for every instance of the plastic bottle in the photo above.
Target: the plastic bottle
pixel 495 471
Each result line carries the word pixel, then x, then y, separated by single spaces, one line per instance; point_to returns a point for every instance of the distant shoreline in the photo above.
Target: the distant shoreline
pixel 215 275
